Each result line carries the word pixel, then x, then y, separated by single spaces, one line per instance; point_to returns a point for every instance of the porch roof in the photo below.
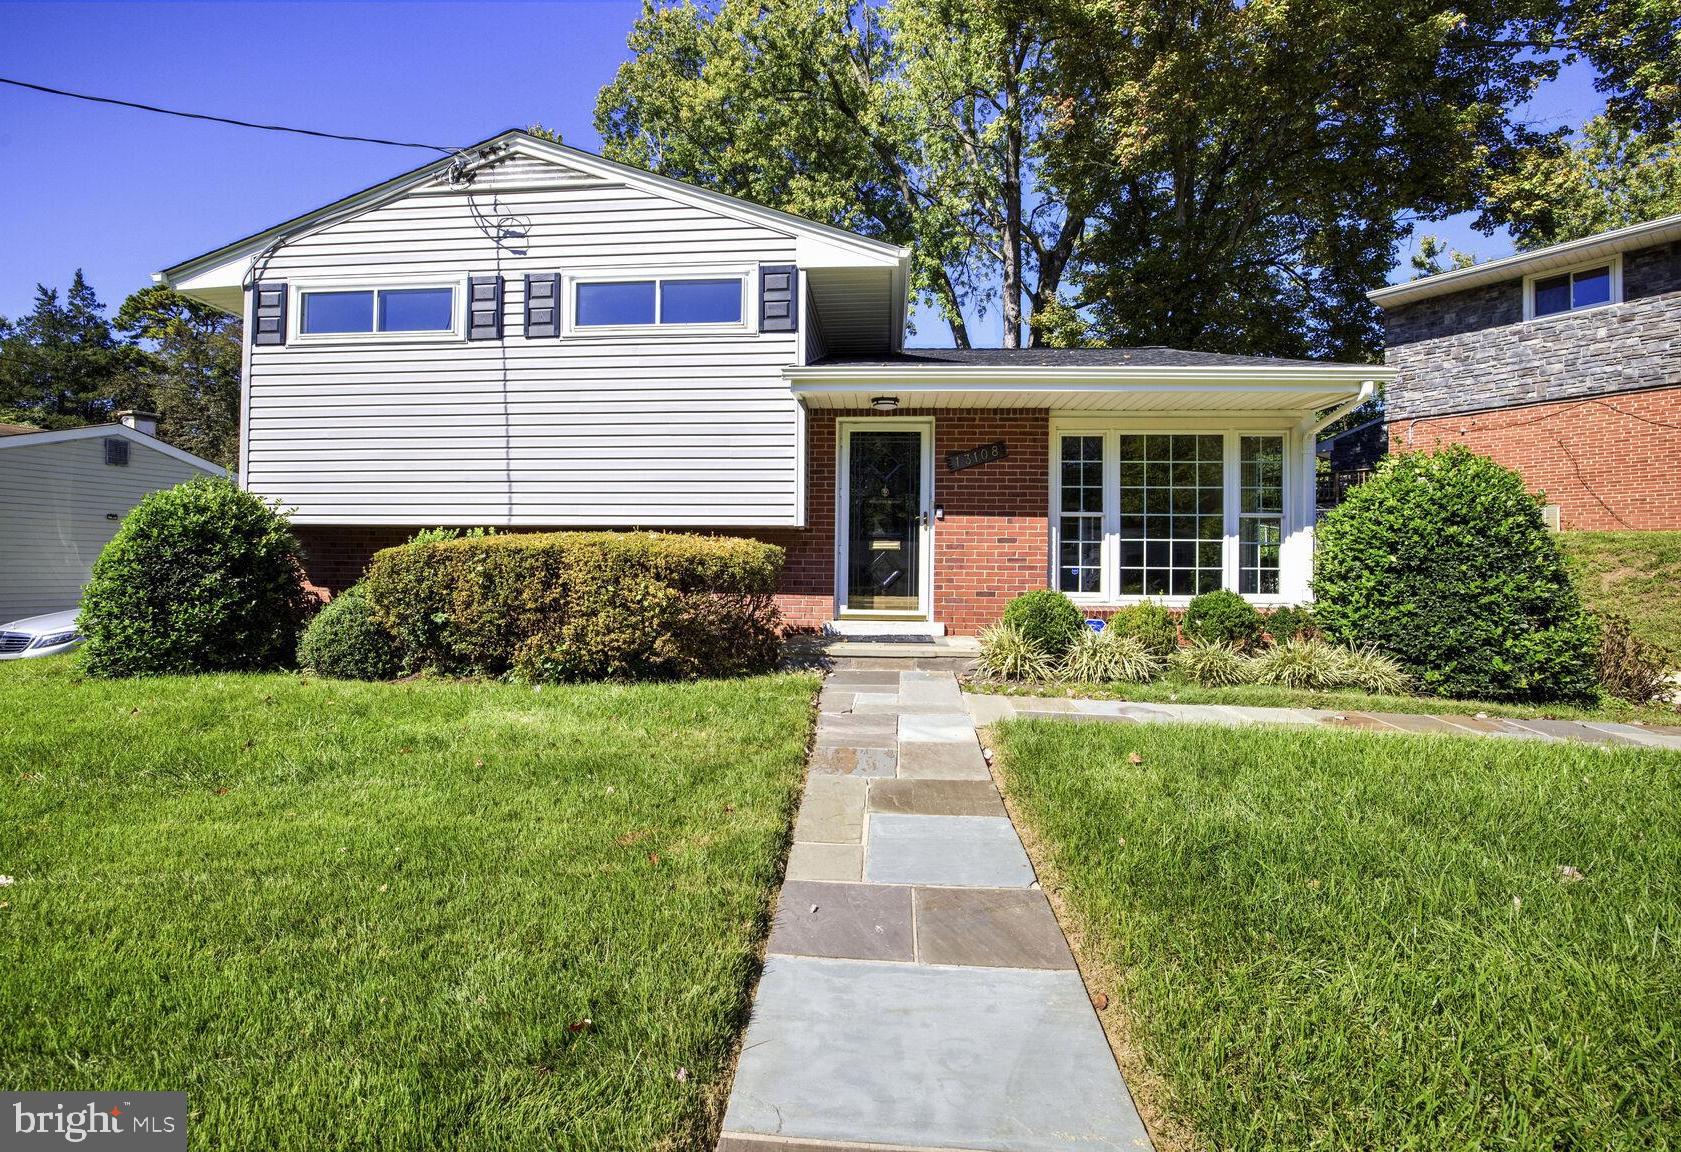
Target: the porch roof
pixel 1163 381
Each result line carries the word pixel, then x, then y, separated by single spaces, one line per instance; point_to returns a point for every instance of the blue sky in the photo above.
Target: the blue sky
pixel 122 193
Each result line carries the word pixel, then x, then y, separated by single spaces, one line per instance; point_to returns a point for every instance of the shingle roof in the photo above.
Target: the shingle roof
pixel 1146 357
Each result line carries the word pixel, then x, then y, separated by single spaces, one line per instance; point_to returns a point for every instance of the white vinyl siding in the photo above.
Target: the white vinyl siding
pixel 655 429
pixel 54 503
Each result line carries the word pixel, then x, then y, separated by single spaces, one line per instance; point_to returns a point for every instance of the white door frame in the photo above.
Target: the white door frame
pixel 844 428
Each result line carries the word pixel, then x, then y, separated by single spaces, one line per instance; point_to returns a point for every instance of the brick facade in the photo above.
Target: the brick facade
pixel 1608 462
pixel 992 544
pixel 1472 351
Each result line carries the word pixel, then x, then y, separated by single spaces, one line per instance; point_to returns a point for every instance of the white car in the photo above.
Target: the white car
pixel 45 635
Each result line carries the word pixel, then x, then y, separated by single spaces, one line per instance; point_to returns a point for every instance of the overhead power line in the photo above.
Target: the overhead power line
pixel 223 119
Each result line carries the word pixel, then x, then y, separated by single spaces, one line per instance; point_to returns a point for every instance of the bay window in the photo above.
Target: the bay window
pixel 1168 514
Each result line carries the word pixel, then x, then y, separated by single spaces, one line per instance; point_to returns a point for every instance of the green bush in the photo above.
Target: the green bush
pixel 1443 562
pixel 1047 618
pixel 1007 654
pixel 1223 618
pixel 1310 665
pixel 1213 665
pixel 346 642
pixel 1628 667
pixel 1291 622
pixel 1110 656
pixel 201 577
pixel 1151 624
pixel 581 605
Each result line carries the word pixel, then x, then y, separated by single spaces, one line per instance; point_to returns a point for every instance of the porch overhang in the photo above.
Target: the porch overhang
pixel 1155 391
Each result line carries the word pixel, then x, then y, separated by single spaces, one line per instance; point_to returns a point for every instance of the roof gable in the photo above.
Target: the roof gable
pixel 119 431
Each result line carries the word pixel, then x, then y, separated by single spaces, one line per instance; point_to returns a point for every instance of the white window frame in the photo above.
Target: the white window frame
pixel 746 326
pixel 375 284
pixel 1112 430
pixel 1614 261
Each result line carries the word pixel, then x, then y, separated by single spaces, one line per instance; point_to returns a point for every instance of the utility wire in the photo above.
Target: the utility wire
pixel 223 119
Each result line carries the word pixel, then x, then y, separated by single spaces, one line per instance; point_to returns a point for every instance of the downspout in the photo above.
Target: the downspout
pixel 1368 388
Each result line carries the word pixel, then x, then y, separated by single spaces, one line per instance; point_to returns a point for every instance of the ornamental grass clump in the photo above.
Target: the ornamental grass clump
pixel 1308 665
pixel 1368 669
pixel 1008 654
pixel 1213 665
pixel 1110 657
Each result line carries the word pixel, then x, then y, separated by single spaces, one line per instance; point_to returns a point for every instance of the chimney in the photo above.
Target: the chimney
pixel 145 423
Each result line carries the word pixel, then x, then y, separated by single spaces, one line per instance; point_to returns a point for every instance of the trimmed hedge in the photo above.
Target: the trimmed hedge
pixel 1443 562
pixel 345 642
pixel 1047 618
pixel 1223 617
pixel 561 606
pixel 201 577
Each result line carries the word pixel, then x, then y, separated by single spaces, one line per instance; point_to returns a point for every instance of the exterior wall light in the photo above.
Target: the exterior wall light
pixel 884 403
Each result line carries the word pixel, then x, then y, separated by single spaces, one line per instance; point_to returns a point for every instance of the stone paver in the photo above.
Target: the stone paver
pixel 846 921
pixel 918 992
pixel 995 1059
pixel 990 708
pixel 979 851
pixel 936 798
pixel 1008 928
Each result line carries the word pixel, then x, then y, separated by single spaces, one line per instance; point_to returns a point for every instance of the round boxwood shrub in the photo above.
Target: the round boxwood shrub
pixel 1223 618
pixel 1047 618
pixel 1443 561
pixel 344 641
pixel 1151 624
pixel 200 578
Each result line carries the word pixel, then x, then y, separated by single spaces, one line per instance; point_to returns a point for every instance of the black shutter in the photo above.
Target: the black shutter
pixel 542 304
pixel 779 311
pixel 268 312
pixel 484 308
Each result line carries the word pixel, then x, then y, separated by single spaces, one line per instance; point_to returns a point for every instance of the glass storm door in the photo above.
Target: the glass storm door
pixel 885 521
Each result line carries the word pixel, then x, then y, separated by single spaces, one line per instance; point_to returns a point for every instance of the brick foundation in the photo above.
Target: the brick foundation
pixel 1609 462
pixel 991 545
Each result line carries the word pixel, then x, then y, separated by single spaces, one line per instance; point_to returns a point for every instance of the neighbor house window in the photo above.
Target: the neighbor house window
pixel 370 310
pixel 657 301
pixel 1568 291
pixel 1172 514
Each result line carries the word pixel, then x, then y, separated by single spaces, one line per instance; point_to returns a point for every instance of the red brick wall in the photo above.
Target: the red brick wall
pixel 991 545
pixel 1608 462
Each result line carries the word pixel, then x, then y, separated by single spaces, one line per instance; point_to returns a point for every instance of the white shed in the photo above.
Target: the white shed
pixel 63 496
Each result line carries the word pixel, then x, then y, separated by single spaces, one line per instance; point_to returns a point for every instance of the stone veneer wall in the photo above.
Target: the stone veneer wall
pixel 1472 351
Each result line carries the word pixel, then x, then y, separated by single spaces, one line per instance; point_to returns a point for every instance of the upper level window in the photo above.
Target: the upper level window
pixel 1586 287
pixel 658 300
pixel 370 310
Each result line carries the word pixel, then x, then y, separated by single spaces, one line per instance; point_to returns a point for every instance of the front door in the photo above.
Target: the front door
pixel 885 495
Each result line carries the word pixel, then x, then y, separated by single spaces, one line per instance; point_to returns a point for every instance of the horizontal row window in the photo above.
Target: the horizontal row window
pixel 1160 510
pixel 379 310
pixel 1567 291
pixel 628 303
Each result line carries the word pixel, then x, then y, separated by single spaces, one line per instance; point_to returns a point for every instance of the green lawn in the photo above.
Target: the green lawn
pixel 378 916
pixel 1635 573
pixel 1331 940
pixel 1171 689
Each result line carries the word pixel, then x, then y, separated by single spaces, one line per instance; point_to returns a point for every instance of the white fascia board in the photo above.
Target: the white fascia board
pixel 105 431
pixel 1644 235
pixel 227 266
pixel 1333 379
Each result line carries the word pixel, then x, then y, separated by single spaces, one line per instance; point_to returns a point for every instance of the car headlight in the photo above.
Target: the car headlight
pixel 53 640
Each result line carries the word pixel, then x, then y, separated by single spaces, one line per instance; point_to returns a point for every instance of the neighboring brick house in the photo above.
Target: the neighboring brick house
pixel 530 337
pixel 1563 363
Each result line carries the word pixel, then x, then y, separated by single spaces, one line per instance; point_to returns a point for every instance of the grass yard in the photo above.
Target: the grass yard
pixel 1332 940
pixel 1171 689
pixel 427 915
pixel 1635 573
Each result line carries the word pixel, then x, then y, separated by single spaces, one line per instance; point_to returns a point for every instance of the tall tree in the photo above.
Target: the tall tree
pixel 191 370
pixel 919 121
pixel 1612 177
pixel 1257 160
pixel 62 365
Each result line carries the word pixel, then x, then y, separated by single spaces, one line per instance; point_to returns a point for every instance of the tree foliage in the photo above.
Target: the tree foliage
pixel 190 370
pixel 63 365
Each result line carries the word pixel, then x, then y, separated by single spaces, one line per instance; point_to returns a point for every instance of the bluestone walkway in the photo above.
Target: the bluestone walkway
pixel 988 708
pixel 918 993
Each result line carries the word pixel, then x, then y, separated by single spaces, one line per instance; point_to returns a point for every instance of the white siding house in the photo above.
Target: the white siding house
pixel 526 335
pixel 62 497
